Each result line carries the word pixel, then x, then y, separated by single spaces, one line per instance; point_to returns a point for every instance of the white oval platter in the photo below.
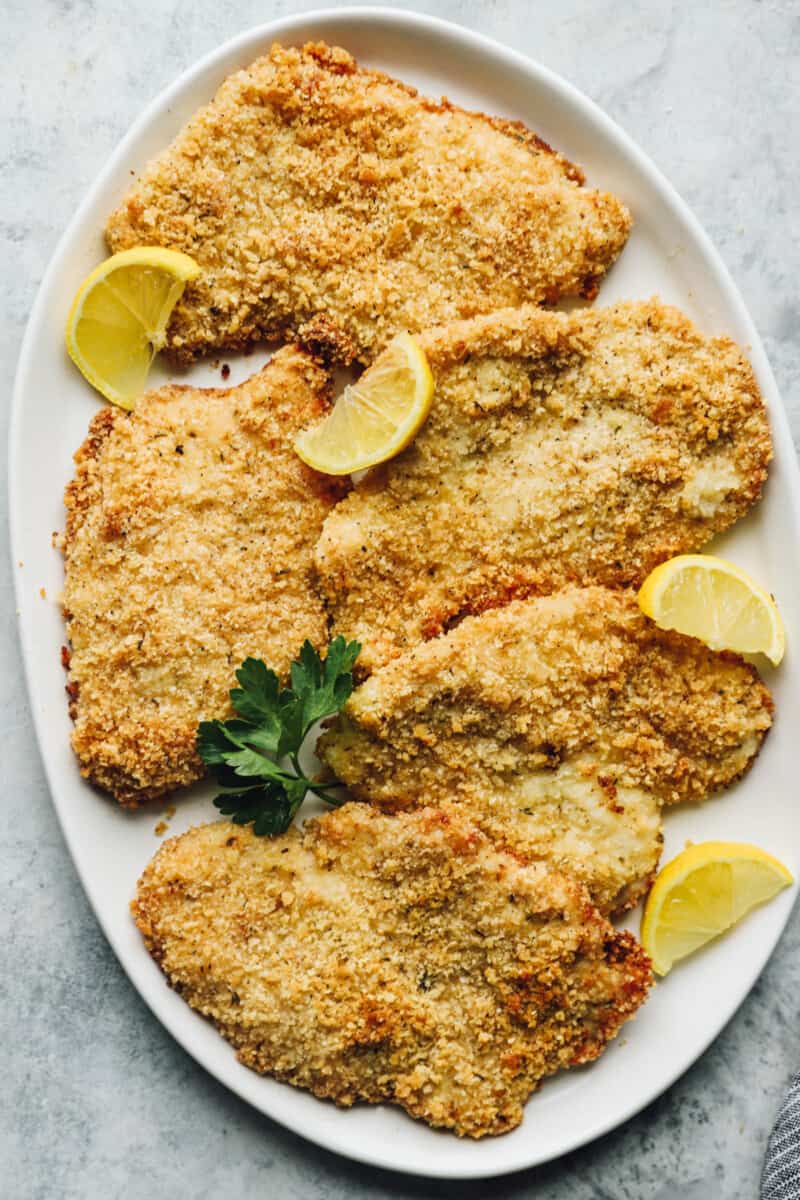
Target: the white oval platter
pixel 668 255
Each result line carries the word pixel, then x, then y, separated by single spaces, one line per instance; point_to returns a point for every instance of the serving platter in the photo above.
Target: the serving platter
pixel 668 255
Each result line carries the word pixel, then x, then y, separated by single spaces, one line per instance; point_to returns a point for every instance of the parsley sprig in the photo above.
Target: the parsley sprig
pixel 248 754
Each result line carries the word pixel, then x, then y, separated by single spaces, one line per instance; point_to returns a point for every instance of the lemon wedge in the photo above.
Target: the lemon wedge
pixel 376 417
pixel 119 317
pixel 703 892
pixel 715 601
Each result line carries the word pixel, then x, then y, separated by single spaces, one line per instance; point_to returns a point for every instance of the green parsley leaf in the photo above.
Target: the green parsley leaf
pixel 258 700
pixel 323 688
pixel 247 754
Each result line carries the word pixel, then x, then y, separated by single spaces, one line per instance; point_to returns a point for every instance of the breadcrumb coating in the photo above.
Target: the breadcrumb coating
pixel 560 449
pixel 561 725
pixel 390 959
pixel 189 536
pixel 327 200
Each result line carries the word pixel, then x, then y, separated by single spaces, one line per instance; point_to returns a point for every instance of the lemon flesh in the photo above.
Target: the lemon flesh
pixel 118 319
pixel 376 417
pixel 703 892
pixel 715 601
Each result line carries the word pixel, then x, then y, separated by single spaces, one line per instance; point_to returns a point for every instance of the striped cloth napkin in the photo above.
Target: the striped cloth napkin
pixel 780 1179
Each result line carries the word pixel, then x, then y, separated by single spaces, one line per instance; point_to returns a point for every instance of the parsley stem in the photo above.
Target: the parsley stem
pixel 294 758
pixel 334 801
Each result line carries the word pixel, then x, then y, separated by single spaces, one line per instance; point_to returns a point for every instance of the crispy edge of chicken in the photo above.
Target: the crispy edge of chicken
pixel 561 449
pixel 390 959
pixel 561 725
pixel 190 527
pixel 330 201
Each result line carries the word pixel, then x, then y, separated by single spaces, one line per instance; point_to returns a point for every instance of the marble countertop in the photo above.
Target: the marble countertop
pixel 98 1101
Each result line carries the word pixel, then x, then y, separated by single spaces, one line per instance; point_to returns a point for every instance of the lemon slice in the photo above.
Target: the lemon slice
pixel 119 317
pixel 715 601
pixel 374 418
pixel 702 892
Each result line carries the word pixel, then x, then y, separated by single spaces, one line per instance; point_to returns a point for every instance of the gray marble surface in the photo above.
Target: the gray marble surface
pixel 97 1101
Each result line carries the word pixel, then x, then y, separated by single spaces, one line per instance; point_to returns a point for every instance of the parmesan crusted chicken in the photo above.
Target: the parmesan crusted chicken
pixel 560 449
pixel 561 725
pixel 321 198
pixel 400 959
pixel 190 530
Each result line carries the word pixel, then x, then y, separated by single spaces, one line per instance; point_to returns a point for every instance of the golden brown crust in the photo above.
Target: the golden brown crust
pixel 560 449
pixel 562 725
pixel 190 527
pixel 401 959
pixel 311 188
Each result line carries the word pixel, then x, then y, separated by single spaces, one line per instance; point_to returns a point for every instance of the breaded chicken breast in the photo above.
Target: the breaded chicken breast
pixel 561 725
pixel 390 959
pixel 560 449
pixel 190 529
pixel 322 198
